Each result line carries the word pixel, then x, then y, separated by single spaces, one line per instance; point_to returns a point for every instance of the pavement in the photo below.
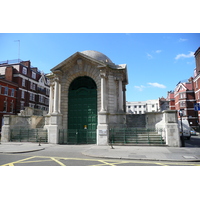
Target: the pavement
pixel 154 153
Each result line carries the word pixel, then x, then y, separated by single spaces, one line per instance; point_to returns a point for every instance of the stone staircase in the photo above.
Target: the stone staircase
pixel 150 138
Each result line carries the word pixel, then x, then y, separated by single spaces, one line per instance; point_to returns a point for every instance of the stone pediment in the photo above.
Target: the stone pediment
pixel 100 63
pixel 79 59
pixel 76 59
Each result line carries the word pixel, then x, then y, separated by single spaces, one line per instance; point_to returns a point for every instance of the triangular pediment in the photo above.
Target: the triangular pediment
pixel 181 87
pixel 73 59
pixel 42 81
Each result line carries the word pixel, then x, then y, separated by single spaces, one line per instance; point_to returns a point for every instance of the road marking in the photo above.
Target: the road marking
pixel 109 162
pixel 60 163
pixel 19 161
pixel 106 163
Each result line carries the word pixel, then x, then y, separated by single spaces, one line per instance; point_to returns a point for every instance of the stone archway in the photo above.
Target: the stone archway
pixel 82 111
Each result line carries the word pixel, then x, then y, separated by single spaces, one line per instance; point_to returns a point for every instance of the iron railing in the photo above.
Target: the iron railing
pixel 29 135
pixel 135 136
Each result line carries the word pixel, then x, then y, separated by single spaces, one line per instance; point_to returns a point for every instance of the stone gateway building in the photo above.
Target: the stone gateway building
pixel 87 97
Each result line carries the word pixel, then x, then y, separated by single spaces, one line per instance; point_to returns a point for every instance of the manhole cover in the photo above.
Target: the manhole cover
pixel 189 157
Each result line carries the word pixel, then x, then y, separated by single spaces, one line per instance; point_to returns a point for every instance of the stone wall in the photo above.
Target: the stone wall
pixel 136 121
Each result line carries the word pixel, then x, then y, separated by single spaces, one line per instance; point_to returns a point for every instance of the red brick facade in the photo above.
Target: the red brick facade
pixel 32 88
pixel 8 94
pixel 184 100
pixel 196 80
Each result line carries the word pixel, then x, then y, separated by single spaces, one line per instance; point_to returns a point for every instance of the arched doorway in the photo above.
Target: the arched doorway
pixel 82 111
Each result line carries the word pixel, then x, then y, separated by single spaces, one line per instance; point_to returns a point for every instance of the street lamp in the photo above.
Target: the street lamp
pixel 182 138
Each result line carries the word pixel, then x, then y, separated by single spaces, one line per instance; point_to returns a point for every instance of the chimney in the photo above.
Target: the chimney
pixel 26 63
pixel 9 73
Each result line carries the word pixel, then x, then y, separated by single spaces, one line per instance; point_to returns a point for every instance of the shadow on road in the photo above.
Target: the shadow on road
pixel 193 142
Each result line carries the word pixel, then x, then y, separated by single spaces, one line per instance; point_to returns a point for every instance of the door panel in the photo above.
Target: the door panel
pixel 82 112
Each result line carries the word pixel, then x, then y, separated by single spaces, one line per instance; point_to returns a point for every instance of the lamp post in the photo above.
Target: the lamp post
pixel 182 138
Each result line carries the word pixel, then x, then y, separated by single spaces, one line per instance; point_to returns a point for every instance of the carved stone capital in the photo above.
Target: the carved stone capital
pixel 103 74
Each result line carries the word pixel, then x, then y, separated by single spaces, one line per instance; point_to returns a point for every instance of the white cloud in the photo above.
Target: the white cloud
pixel 182 40
pixel 158 51
pixel 149 56
pixel 157 85
pixel 191 54
pixel 140 88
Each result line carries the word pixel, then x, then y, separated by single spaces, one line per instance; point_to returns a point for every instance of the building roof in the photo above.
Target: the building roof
pixel 97 55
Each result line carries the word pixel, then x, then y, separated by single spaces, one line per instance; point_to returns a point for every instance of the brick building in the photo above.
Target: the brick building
pixel 184 100
pixel 171 100
pixel 196 80
pixel 33 86
pixel 8 96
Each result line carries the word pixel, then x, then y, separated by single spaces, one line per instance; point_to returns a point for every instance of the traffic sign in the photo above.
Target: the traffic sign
pixel 197 106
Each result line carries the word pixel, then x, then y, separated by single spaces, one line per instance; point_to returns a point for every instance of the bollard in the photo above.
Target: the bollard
pixel 39 142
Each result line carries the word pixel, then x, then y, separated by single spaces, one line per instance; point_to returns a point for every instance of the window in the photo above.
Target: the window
pixel 32 87
pixel 22 96
pixel 135 106
pixel 47 101
pixel 34 75
pixel 23 82
pixel 12 92
pixel 144 106
pixel 22 105
pixel 11 107
pixel 129 106
pixel 182 104
pixel 32 97
pixel 6 91
pixel 47 91
pixel 182 95
pixel 139 106
pixel 24 70
pixel 41 99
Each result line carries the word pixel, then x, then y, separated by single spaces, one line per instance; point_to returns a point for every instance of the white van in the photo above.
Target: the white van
pixel 186 129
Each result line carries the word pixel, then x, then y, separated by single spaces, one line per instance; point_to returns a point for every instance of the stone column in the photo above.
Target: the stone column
pixel 103 92
pixel 59 101
pixel 51 99
pixel 124 98
pixel 56 95
pixel 120 103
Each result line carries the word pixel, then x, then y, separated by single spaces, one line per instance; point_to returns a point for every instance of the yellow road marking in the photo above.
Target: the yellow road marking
pixel 18 161
pixel 111 162
pixel 60 163
pixel 106 163
pixel 32 161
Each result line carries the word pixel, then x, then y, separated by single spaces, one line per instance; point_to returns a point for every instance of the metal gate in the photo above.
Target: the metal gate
pixel 74 136
pixel 82 111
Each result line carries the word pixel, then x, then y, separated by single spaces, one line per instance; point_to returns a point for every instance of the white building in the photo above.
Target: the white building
pixel 87 97
pixel 141 107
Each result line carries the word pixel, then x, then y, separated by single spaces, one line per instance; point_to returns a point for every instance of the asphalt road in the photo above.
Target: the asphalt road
pixel 193 142
pixel 60 155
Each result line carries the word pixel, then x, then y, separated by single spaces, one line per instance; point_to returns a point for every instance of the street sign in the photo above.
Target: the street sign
pixel 197 106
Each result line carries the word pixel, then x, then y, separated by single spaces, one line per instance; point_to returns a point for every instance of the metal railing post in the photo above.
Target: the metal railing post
pixel 20 135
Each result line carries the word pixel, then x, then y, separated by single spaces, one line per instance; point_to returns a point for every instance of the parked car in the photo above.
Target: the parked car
pixel 193 132
pixel 186 129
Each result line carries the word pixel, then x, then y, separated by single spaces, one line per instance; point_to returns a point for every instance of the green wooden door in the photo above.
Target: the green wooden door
pixel 82 111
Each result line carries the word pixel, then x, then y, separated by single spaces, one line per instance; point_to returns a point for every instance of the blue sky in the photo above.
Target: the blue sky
pixel 156 61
